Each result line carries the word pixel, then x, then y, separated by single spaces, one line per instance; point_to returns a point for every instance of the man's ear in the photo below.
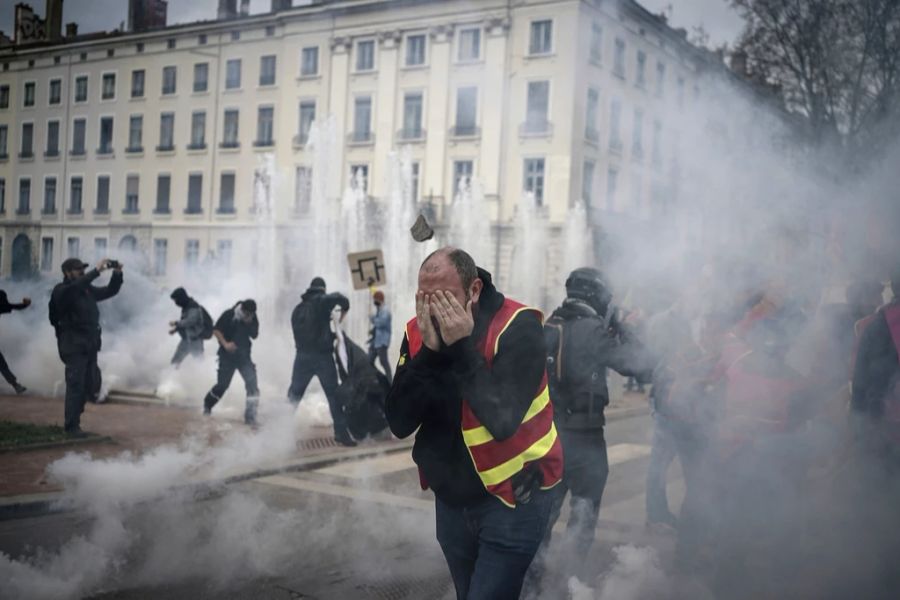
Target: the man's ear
pixel 475 290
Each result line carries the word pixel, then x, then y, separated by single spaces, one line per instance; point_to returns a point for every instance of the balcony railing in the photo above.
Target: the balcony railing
pixel 134 149
pixel 23 210
pixel 197 146
pixel 411 134
pixel 263 143
pixel 230 144
pixel 104 150
pixel 26 154
pixel 4 156
pixel 77 152
pixel 465 131
pixel 536 129
pixel 615 145
pixel 51 153
pixel 165 148
pixel 301 139
pixel 48 210
pixel 361 137
pixel 592 135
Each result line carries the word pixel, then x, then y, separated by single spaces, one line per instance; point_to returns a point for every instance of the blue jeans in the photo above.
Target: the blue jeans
pixel 489 546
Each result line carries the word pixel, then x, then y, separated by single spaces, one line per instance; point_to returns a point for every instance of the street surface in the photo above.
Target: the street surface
pixel 355 529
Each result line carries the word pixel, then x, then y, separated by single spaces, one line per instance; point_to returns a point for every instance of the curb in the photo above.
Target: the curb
pixel 92 439
pixel 35 505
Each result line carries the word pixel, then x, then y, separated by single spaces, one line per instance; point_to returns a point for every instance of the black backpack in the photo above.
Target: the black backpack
pixel 311 331
pixel 554 341
pixel 207 331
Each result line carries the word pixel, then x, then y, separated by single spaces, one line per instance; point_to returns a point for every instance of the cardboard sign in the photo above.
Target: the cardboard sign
pixel 367 269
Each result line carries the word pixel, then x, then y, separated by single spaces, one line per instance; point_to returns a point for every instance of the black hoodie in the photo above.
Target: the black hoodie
pixel 311 320
pixel 427 395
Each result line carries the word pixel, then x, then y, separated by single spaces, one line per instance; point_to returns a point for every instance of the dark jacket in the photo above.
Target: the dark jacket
pixel 190 326
pixel 877 367
pixel 237 331
pixel 427 394
pixel 361 391
pixel 74 312
pixel 311 321
pixel 590 346
pixel 6 306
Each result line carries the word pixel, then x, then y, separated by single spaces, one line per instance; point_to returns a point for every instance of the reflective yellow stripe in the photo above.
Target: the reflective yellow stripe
pixel 501 473
pixel 480 435
pixel 509 322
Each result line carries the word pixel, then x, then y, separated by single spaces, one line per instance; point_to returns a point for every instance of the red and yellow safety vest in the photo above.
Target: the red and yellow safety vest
pixel 535 441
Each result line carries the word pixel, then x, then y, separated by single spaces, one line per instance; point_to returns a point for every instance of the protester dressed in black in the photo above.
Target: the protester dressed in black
pixel 234 331
pixel 7 307
pixel 75 316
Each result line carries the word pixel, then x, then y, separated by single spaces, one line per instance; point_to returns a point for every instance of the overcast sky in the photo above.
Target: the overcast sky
pixel 722 24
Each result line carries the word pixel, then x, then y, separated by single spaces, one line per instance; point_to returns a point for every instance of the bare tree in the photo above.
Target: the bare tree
pixel 835 61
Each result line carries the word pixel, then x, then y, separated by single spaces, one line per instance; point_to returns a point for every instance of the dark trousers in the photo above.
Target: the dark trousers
pixel 489 546
pixel 7 374
pixel 664 451
pixel 187 347
pixel 382 355
pixel 228 364
pixel 321 365
pixel 82 383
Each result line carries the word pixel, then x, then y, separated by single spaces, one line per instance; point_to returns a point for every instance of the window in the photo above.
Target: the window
pixel 302 189
pixel 226 193
pixel 201 39
pixel 76 188
pixel 26 150
pixel 139 47
pixel 170 43
pixel 596 42
pixel 137 83
pixel 235 36
pixel 201 77
pixel 537 107
pixel 619 64
pixel 81 88
pixel 28 99
pixel 52 139
pixel 135 133
pixel 466 110
pixel 106 135
pixel 108 89
pixel 47 254
pixel 169 80
pixel 415 50
pixel 270 30
pixel 99 248
pixel 2 195
pixel 79 129
pixel 660 78
pixel 267 70
pixel 192 252
pixel 163 190
pixel 195 191
pixel 414 181
pixel 4 139
pixel 590 115
pixel 612 182
pixel 166 132
pixel 362 118
pixel 657 142
pixel 102 206
pixel 587 183
pixel 223 253
pixel 233 74
pixel 265 119
pixel 73 246
pixel 160 250
pixel 4 96
pixel 55 92
pixel 198 130
pixel 615 117
pixel 641 69
pixel 541 39
pixel 462 175
pixel 309 61
pixel 412 116
pixel 469 44
pixel 534 179
pixel 637 134
pixel 24 196
pixel 230 139
pixel 359 177
pixel 365 55
pixel 132 188
pixel 49 196
pixel 307 116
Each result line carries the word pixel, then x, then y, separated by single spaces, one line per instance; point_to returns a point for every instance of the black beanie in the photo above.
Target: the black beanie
pixel 317 283
pixel 249 305
pixel 179 295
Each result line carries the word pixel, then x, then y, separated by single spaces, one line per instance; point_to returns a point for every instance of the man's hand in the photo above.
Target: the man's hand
pixel 423 319
pixel 119 268
pixel 230 347
pixel 173 323
pixel 26 301
pixel 455 321
pixel 101 266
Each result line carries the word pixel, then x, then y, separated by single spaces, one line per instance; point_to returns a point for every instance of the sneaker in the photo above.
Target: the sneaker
pixel 207 411
pixel 345 440
pixel 20 389
pixel 76 433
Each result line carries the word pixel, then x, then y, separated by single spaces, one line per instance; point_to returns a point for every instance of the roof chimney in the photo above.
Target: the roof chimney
pixel 53 19
pixel 245 8
pixel 227 9
pixel 280 5
pixel 71 29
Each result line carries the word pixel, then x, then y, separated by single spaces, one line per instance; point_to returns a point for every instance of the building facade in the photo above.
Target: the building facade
pixel 151 141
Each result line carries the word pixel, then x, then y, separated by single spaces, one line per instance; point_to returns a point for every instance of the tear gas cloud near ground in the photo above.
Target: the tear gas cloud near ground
pixel 759 204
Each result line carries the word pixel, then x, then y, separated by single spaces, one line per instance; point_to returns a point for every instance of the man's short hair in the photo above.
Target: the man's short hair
pixel 461 261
